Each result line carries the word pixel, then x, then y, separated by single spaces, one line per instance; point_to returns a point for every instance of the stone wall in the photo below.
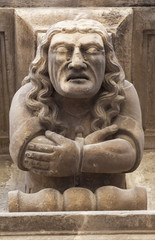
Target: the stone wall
pixel 76 3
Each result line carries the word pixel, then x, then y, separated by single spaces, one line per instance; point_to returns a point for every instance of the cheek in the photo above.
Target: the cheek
pixel 60 58
pixel 98 64
pixel 96 59
pixel 58 65
pixel 55 61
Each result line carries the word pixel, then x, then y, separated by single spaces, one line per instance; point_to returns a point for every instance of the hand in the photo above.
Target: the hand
pixel 100 135
pixel 60 158
pixel 39 144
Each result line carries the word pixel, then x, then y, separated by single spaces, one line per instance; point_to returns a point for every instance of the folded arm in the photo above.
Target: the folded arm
pixel 112 156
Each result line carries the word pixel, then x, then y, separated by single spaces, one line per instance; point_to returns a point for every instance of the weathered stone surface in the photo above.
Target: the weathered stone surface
pixel 7 74
pixel 143 70
pixel 11 178
pixel 145 176
pixel 35 21
pixel 46 200
pixel 96 137
pixel 143 65
pixel 111 198
pixel 79 199
pixel 84 237
pixel 76 3
pixel 136 225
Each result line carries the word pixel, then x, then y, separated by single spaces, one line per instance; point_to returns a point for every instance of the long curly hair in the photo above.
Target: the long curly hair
pixel 40 98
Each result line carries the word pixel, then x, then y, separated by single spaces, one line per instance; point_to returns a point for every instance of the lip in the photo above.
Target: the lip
pixel 77 78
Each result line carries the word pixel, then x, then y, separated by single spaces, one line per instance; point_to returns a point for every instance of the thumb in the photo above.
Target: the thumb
pixel 55 137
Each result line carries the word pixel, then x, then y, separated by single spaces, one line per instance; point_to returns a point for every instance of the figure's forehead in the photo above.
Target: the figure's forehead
pixel 76 38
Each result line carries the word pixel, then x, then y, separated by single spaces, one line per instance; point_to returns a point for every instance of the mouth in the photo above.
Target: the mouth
pixel 78 78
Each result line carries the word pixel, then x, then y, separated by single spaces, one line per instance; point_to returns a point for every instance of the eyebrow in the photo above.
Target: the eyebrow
pixel 61 43
pixel 91 43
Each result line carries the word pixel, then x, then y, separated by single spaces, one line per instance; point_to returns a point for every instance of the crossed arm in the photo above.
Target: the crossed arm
pixel 55 155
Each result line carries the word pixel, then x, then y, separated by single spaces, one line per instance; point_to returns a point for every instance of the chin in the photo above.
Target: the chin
pixel 78 94
pixel 78 90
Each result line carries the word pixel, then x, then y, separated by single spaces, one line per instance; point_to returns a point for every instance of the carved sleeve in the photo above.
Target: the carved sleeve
pixel 23 126
pixel 130 123
pixel 122 152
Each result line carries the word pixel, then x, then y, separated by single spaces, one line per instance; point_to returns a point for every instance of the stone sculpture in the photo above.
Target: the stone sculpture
pixel 75 124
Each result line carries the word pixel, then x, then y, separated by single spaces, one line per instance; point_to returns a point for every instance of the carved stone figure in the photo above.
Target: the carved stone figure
pixel 75 124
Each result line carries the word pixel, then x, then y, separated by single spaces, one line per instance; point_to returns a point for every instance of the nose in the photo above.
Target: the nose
pixel 77 60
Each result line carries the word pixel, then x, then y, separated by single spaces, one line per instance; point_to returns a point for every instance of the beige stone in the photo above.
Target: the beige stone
pixel 134 225
pixel 143 71
pixel 97 136
pixel 79 199
pixel 35 22
pixel 11 178
pixel 46 200
pixel 123 26
pixel 76 3
pixel 144 176
pixel 7 74
pixel 112 198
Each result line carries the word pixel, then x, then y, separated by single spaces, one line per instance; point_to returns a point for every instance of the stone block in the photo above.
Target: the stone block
pixel 79 199
pixel 46 200
pixel 112 198
pixel 76 3
pixel 133 225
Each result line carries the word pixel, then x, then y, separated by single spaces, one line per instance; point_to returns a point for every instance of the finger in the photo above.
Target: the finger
pixel 101 135
pixel 55 137
pixel 106 132
pixel 40 147
pixel 40 156
pixel 31 163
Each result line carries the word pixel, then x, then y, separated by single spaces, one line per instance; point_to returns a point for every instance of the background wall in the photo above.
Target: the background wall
pixel 132 25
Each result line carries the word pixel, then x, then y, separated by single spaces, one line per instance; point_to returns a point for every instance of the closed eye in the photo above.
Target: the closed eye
pixel 92 50
pixel 61 49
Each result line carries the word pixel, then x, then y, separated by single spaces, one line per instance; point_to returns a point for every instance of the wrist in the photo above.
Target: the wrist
pixel 80 143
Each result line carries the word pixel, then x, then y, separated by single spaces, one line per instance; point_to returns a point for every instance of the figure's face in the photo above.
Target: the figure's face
pixel 76 64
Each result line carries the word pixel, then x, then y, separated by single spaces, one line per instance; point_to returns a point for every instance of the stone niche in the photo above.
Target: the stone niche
pixel 143 70
pixel 7 73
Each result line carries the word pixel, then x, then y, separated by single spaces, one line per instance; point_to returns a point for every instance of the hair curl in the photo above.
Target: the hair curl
pixel 40 100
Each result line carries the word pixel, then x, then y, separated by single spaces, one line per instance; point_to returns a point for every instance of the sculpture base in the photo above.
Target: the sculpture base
pixel 133 225
pixel 79 199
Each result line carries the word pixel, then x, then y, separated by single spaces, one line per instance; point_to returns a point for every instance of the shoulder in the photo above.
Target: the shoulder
pixel 130 91
pixel 131 105
pixel 20 96
pixel 18 109
pixel 21 93
pixel 128 86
